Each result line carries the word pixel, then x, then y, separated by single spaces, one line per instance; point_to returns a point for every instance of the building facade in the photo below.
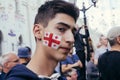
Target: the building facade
pixel 17 18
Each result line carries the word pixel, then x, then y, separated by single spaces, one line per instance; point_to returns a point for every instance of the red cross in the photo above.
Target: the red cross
pixel 51 40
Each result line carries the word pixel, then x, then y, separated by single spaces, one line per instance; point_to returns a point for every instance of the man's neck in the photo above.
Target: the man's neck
pixel 40 65
pixel 115 48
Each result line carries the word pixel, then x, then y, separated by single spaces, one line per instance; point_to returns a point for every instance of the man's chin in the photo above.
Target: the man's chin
pixel 63 58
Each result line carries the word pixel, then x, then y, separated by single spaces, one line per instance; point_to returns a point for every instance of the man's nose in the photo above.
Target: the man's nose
pixel 70 37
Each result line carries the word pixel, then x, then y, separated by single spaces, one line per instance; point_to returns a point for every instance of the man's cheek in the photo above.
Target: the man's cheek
pixel 52 40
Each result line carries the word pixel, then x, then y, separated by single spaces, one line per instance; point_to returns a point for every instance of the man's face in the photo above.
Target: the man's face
pixel 62 25
pixel 104 41
pixel 74 76
pixel 13 60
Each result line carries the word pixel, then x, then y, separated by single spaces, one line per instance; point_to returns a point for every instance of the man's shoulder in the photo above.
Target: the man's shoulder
pixel 108 65
pixel 20 72
pixel 111 54
pixel 19 67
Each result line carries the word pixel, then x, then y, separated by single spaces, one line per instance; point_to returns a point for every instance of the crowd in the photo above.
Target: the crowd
pixel 56 35
pixel 11 59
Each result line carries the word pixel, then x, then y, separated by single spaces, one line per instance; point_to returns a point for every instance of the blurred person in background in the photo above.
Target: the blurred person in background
pixel 29 49
pixel 103 47
pixel 8 61
pixel 91 68
pixel 72 75
pixel 72 61
pixel 109 62
pixel 24 55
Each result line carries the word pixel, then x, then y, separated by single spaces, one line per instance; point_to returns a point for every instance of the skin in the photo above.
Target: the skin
pixel 12 61
pixel 116 47
pixel 104 41
pixel 62 25
pixel 68 78
pixel 73 76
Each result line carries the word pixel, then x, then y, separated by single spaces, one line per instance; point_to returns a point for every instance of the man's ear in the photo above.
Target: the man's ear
pixel 37 30
pixel 118 39
pixel 6 64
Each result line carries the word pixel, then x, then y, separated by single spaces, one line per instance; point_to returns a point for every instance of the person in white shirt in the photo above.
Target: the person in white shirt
pixel 101 48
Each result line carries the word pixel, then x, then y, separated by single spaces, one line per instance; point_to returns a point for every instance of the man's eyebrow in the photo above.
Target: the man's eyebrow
pixel 64 24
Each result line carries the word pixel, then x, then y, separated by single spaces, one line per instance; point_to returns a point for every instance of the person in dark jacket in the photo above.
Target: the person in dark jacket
pixel 109 62
pixel 8 61
pixel 24 55
pixel 53 30
pixel 23 73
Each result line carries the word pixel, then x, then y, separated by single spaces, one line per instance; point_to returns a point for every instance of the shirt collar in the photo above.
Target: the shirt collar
pixel 54 76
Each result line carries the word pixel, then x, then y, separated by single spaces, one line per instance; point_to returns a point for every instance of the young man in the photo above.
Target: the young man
pixel 53 30
pixel 109 62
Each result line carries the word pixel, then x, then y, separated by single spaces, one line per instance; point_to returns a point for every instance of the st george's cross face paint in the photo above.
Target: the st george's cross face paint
pixel 52 40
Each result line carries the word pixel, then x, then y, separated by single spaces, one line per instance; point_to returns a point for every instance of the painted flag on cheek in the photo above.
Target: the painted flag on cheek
pixel 52 40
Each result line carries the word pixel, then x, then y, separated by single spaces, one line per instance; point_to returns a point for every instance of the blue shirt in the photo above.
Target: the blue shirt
pixel 71 60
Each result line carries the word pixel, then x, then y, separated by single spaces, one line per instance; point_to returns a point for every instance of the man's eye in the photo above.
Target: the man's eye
pixel 61 29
